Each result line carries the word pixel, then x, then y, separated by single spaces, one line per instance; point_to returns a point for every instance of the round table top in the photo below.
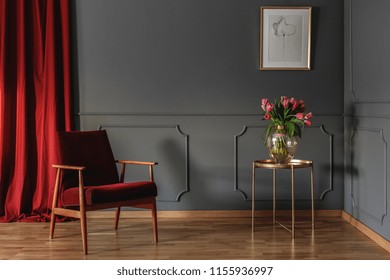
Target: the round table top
pixel 271 164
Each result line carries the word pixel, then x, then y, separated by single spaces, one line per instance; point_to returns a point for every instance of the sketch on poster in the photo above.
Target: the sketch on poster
pixel 285 44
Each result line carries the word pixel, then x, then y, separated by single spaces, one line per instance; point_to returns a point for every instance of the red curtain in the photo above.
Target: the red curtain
pixel 35 102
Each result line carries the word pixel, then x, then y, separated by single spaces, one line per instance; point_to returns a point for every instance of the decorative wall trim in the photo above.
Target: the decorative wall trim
pixel 186 151
pixel 235 164
pixel 354 203
pixel 331 161
pixel 374 116
pixel 187 163
pixel 181 114
pixel 167 114
pixel 236 188
pixel 351 54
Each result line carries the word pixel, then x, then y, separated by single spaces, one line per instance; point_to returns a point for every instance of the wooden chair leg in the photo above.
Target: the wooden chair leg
pixel 54 204
pixel 83 215
pixel 154 217
pixel 52 225
pixel 83 222
pixel 117 214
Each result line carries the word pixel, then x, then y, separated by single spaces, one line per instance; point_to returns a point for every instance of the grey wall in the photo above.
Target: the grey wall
pixel 367 107
pixel 178 82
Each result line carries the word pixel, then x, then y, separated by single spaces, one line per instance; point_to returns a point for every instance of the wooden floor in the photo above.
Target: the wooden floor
pixel 185 239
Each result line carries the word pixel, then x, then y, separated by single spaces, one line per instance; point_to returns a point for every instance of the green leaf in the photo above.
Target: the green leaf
pixel 298 130
pixel 290 129
pixel 267 133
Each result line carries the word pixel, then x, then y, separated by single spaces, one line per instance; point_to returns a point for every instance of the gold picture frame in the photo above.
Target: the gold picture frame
pixel 285 38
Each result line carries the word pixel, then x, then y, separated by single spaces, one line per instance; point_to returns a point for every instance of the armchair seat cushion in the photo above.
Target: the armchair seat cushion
pixel 110 193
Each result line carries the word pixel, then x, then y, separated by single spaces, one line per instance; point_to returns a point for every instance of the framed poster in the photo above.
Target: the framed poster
pixel 285 38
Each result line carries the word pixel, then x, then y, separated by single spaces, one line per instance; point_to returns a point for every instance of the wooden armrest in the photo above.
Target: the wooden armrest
pixel 148 163
pixel 70 167
pixel 137 162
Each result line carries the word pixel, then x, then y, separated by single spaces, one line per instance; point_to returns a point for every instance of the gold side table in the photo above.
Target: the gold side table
pixel 292 165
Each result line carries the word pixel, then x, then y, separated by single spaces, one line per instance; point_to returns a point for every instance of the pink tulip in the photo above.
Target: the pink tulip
pixel 301 105
pixel 264 103
pixel 308 115
pixel 269 107
pixel 267 116
pixel 295 106
pixel 294 103
pixel 285 102
pixel 307 122
pixel 299 116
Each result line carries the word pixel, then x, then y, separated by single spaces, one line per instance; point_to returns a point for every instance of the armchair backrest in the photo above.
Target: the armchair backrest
pixel 90 149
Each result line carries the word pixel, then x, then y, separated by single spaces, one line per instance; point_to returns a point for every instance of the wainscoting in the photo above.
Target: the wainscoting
pixel 367 118
pixel 205 161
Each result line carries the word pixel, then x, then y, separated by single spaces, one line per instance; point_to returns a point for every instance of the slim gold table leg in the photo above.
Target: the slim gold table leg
pixel 253 197
pixel 292 202
pixel 312 197
pixel 270 164
pixel 274 195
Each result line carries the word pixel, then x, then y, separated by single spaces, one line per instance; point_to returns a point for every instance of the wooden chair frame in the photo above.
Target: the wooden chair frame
pixel 80 211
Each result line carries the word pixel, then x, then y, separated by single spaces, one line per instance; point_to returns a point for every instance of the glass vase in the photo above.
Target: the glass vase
pixel 281 147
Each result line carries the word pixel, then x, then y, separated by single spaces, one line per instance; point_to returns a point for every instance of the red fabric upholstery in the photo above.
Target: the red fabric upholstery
pixel 90 149
pixel 111 193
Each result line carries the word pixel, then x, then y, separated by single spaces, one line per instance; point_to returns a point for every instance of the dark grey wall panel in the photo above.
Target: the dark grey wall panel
pixel 177 81
pixel 370 55
pixel 367 118
pixel 367 171
pixel 369 159
pixel 165 144
pixel 196 56
pixel 210 158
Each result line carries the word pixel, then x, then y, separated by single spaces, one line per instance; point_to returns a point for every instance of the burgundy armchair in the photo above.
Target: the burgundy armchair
pixel 87 179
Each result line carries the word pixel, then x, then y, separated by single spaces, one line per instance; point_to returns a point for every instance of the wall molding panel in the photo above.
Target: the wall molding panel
pixel 236 137
pixel 322 187
pixel 330 185
pixel 369 142
pixel 180 191
pixel 220 155
pixel 367 118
